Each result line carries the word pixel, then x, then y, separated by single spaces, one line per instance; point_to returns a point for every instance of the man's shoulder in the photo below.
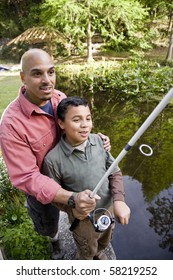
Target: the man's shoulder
pixel 59 94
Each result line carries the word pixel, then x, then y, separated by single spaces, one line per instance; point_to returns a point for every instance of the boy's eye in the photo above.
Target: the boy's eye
pixel 89 119
pixel 75 120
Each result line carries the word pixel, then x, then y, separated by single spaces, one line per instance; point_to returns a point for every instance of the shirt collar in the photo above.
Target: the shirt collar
pixel 27 107
pixel 68 149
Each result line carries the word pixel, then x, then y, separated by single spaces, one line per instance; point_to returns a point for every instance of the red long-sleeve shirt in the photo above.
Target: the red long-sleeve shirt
pixel 27 133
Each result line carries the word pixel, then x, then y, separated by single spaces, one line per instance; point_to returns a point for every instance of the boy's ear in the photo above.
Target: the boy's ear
pixel 61 124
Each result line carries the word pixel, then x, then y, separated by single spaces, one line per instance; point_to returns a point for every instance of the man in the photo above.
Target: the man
pixel 28 130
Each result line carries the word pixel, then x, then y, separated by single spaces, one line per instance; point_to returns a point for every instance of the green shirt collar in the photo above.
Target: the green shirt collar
pixel 68 149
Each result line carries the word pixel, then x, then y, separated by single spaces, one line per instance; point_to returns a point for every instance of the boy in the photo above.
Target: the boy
pixel 80 157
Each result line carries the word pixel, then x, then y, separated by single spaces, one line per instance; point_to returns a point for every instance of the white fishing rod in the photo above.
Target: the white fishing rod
pixel 135 137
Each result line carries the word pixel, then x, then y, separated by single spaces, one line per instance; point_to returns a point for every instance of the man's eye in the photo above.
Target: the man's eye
pixel 37 74
pixel 51 72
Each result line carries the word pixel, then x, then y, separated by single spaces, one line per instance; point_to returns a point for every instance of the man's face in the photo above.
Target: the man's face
pixel 39 78
pixel 77 124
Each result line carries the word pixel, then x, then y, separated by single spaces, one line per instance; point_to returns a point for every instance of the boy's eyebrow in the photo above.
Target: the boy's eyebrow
pixel 89 115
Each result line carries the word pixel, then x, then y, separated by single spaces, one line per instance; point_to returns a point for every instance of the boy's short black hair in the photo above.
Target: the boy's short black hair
pixel 69 101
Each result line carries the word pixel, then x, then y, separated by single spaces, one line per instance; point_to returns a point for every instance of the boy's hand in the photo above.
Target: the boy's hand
pixel 122 212
pixel 78 215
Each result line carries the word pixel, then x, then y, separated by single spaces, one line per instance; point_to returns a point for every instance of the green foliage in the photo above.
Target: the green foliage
pixel 17 235
pixel 22 243
pixel 135 78
pixel 18 15
pixel 121 23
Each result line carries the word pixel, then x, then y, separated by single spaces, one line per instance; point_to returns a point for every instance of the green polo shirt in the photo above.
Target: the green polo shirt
pixel 76 170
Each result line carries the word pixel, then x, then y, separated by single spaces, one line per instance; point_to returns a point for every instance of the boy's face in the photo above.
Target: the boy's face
pixel 77 124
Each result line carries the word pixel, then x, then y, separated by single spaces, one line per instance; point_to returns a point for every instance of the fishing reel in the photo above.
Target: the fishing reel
pixel 103 222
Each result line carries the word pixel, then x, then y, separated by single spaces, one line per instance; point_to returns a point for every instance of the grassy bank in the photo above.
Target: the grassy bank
pixel 9 90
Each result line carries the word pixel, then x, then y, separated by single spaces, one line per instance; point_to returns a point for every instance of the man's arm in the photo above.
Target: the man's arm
pixel 23 169
pixel 83 203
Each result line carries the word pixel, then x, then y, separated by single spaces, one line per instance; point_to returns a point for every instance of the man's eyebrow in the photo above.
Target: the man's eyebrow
pixel 40 70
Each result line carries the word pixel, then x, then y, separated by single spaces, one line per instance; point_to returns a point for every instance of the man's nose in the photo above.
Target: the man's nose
pixel 45 78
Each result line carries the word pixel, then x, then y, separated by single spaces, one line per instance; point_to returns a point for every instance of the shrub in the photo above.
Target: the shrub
pixel 17 235
pixel 134 79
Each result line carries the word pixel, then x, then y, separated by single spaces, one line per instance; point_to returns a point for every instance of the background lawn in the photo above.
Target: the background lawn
pixel 9 87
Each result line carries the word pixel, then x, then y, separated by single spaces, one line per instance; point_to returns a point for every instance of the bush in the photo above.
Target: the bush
pixel 17 235
pixel 22 243
pixel 133 79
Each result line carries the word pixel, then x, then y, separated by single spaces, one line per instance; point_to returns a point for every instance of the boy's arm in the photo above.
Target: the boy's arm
pixel 121 210
pixel 117 186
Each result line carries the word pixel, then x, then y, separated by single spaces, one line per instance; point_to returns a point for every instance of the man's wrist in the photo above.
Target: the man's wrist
pixel 71 201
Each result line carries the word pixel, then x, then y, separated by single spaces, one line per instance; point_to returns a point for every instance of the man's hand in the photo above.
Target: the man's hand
pixel 122 212
pixel 106 142
pixel 84 204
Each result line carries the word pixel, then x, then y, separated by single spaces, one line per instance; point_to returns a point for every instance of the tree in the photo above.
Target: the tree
pixel 119 22
pixel 162 9
pixel 18 15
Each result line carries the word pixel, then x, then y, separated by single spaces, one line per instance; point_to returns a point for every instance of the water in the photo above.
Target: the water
pixel 148 181
pixel 138 240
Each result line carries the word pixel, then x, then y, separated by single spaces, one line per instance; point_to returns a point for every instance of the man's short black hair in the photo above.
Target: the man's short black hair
pixel 69 101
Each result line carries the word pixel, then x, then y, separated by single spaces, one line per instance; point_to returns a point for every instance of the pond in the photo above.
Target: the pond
pixel 148 180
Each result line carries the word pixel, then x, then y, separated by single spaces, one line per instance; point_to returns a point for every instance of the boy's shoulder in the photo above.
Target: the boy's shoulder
pixel 53 153
pixel 95 139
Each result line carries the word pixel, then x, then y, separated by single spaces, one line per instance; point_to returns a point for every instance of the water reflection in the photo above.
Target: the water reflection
pixel 162 220
pixel 147 179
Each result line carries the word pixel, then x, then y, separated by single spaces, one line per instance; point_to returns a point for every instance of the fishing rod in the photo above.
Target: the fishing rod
pixel 130 144
pixel 134 138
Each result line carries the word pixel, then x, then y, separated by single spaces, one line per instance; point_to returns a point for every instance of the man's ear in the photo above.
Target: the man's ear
pixel 22 77
pixel 61 124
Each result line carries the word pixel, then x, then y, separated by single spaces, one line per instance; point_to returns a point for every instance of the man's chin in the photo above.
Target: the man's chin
pixel 46 97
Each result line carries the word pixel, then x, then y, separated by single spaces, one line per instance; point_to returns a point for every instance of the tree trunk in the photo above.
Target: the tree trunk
pixel 89 36
pixel 170 47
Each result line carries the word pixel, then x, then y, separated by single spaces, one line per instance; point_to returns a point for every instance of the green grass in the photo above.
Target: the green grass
pixel 9 88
